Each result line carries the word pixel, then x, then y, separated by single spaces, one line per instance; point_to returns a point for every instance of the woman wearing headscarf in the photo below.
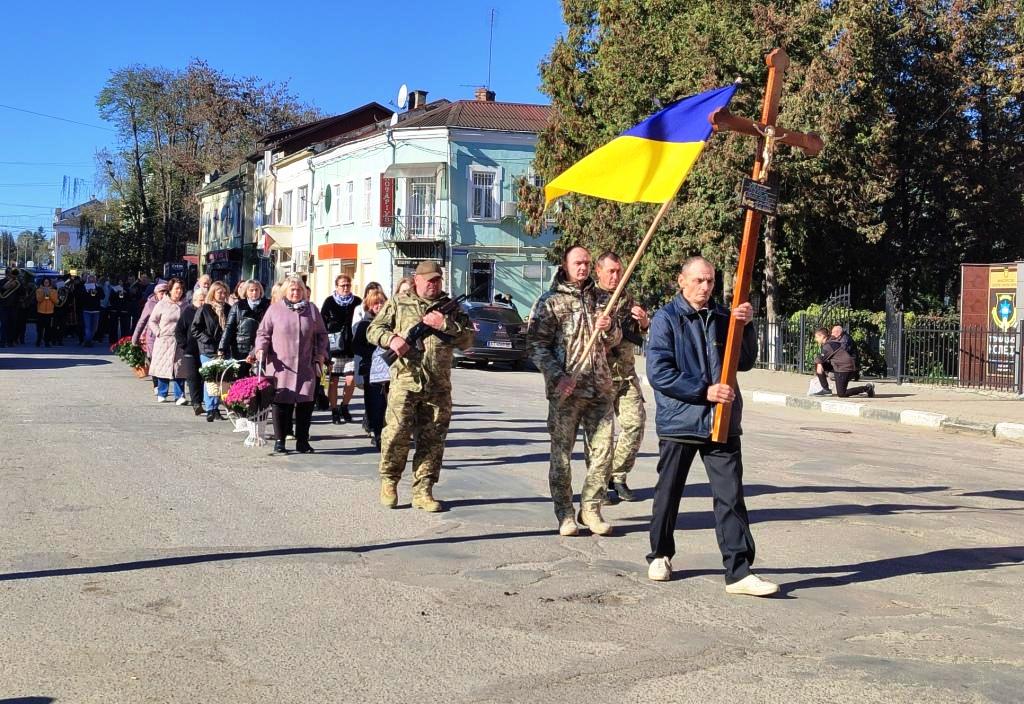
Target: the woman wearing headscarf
pixel 292 341
pixel 142 335
pixel 168 363
pixel 207 329
pixel 244 319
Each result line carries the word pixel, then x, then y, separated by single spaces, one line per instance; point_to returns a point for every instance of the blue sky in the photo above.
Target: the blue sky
pixel 335 55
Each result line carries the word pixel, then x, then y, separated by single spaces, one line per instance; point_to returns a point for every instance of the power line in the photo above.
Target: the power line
pixel 27 205
pixel 62 119
pixel 48 163
pixel 26 185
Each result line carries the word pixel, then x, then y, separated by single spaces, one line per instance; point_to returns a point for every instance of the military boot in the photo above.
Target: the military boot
pixel 389 493
pixel 590 516
pixel 423 498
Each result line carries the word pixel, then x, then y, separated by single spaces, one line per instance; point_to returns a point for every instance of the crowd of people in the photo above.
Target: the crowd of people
pixel 400 351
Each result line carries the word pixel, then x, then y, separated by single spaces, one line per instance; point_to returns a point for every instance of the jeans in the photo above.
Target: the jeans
pixel 91 319
pixel 375 396
pixel 162 384
pixel 210 402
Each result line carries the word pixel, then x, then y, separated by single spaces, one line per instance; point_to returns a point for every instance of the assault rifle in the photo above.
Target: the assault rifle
pixel 421 331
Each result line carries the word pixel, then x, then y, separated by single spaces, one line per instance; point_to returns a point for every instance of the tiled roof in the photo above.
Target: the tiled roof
pixel 486 115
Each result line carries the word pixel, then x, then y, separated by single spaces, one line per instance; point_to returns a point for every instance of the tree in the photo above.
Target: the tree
pixel 176 126
pixel 919 103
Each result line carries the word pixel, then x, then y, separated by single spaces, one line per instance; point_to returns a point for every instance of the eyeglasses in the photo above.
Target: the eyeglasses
pixel 344 285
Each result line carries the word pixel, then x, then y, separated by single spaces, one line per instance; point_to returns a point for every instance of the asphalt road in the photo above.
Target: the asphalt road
pixel 146 556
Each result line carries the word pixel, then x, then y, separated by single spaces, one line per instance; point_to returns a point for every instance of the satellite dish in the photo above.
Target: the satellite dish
pixel 403 96
pixel 394 119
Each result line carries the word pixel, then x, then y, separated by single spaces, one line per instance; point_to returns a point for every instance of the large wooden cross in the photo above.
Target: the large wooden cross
pixel 769 134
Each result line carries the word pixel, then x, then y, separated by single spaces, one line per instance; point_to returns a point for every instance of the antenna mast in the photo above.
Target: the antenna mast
pixel 490 49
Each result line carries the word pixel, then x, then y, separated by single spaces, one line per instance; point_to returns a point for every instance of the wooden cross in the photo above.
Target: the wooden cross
pixel 769 134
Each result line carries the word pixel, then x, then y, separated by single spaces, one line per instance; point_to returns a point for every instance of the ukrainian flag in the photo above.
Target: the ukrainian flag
pixel 649 162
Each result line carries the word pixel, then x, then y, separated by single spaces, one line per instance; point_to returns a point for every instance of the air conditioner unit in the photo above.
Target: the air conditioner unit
pixel 509 209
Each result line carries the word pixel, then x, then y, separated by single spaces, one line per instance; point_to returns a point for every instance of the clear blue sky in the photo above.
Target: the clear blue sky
pixel 335 55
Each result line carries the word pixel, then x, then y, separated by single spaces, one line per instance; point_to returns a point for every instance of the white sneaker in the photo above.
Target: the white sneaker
pixel 752 585
pixel 660 569
pixel 181 401
pixel 161 399
pixel 567 527
pixel 156 392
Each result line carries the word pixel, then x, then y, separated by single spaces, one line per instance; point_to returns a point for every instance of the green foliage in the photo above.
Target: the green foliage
pixel 73 260
pixel 920 105
pixel 130 354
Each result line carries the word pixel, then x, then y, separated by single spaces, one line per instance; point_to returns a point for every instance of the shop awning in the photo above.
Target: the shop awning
pixel 423 168
pixel 280 236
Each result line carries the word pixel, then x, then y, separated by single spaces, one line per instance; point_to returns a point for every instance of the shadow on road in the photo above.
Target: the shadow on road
pixel 28 700
pixel 1008 494
pixel 27 363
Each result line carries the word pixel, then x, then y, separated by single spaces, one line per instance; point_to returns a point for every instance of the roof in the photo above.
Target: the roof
pixel 485 115
pixel 299 136
pixel 70 216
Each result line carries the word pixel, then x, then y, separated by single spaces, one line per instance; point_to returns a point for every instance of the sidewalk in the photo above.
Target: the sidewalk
pixel 941 408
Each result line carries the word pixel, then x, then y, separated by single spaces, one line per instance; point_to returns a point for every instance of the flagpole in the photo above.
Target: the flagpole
pixel 625 276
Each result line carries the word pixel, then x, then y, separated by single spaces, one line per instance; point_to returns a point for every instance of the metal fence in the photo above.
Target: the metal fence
pixel 932 353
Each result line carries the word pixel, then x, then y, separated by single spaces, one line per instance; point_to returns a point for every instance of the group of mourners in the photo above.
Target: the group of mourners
pixel 284 337
pixel 378 343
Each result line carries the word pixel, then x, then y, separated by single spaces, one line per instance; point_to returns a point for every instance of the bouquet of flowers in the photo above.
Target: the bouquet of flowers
pixel 248 396
pixel 216 373
pixel 130 354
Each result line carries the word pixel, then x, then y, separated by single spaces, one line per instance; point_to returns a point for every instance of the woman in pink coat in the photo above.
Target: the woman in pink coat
pixel 167 361
pixel 292 340
pixel 141 335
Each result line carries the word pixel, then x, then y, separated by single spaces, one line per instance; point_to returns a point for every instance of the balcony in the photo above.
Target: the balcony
pixel 418 227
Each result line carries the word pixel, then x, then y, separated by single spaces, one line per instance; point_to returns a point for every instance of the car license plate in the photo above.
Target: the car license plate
pixel 504 344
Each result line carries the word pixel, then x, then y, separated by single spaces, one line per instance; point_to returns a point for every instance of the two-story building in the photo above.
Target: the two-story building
pixel 225 223
pixel 71 229
pixel 439 184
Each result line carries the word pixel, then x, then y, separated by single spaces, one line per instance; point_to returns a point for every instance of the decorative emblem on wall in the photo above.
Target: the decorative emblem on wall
pixel 1004 313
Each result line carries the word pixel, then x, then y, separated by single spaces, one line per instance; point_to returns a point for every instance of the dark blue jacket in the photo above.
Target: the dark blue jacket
pixel 681 367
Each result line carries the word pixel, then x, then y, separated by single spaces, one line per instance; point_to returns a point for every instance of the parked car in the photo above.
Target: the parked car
pixel 499 336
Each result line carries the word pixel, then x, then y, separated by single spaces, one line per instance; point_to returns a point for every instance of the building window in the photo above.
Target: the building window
pixel 349 215
pixel 484 187
pixel 286 208
pixel 367 198
pixel 302 214
pixel 336 204
pixel 421 199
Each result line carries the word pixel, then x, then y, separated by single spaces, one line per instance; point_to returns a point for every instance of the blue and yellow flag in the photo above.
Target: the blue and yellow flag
pixel 649 162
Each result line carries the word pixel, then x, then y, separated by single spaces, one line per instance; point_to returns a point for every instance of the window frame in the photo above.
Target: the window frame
pixel 350 194
pixel 367 199
pixel 496 172
pixel 302 205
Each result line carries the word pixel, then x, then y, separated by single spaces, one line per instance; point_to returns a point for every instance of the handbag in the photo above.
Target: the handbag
pixel 380 370
pixel 334 342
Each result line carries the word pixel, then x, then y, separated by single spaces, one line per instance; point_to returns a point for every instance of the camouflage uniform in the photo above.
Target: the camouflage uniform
pixel 560 325
pixel 627 398
pixel 420 398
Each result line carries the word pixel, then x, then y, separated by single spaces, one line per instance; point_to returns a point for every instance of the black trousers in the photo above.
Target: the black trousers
pixel 724 465
pixel 375 396
pixel 843 380
pixel 44 329
pixel 283 412
pixel 195 382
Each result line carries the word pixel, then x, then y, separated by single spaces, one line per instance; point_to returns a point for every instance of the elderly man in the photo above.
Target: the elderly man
pixel 578 388
pixel 684 364
pixel 627 398
pixel 420 398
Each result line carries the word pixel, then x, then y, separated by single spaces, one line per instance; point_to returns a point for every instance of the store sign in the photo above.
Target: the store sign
pixel 387 201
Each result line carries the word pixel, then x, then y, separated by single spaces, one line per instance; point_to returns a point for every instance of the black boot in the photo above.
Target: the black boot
pixel 336 416
pixel 211 415
pixel 345 414
pixel 304 447
pixel 624 492
pixel 279 448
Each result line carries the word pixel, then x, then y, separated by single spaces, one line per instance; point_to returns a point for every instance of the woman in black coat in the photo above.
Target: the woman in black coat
pixel 243 321
pixel 208 329
pixel 337 312
pixel 375 394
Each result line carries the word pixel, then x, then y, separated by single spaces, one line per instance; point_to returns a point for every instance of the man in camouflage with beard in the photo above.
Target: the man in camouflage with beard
pixel 627 398
pixel 578 389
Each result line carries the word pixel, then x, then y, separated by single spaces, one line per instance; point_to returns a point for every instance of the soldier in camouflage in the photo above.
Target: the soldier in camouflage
pixel 420 399
pixel 627 398
pixel 578 389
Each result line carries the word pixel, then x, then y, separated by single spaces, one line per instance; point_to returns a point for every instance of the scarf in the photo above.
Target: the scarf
pixel 297 307
pixel 253 305
pixel 345 300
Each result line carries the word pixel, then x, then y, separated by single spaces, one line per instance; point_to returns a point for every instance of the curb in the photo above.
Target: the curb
pixel 905 416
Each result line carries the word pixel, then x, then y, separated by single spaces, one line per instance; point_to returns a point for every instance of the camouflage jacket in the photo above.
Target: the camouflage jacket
pixel 560 325
pixel 430 368
pixel 622 357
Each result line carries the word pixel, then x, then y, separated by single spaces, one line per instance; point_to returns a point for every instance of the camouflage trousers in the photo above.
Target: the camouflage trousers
pixel 629 411
pixel 423 415
pixel 565 417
